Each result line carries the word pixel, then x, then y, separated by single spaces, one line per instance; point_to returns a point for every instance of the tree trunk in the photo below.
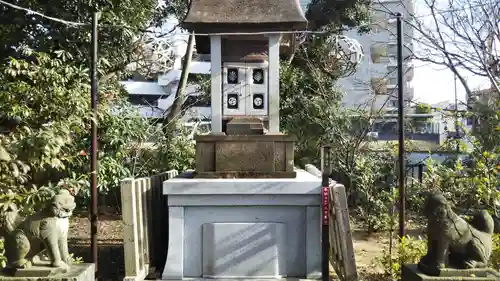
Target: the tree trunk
pixel 176 108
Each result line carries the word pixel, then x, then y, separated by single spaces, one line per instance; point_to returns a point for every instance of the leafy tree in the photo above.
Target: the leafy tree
pixel 121 25
pixel 47 143
pixel 311 111
pixel 484 112
pixel 339 15
pixel 47 102
pixel 422 108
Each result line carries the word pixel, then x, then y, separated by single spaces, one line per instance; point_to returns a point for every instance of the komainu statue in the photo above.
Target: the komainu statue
pixel 46 230
pixel 452 241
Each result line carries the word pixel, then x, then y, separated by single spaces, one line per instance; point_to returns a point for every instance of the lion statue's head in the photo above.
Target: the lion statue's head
pixel 63 204
pixel 9 218
pixel 436 206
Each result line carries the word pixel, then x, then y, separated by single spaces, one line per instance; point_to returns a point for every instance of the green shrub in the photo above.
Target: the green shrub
pixel 3 259
pixel 46 143
pixel 408 251
pixel 495 255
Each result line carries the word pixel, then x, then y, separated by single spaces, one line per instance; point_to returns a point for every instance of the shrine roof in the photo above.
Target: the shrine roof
pixel 255 15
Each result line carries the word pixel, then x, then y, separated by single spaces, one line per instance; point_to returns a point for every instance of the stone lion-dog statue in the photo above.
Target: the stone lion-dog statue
pixel 46 231
pixel 452 241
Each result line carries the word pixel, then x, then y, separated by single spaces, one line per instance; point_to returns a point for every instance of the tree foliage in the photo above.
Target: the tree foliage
pixel 120 25
pixel 311 110
pixel 45 110
pixel 339 15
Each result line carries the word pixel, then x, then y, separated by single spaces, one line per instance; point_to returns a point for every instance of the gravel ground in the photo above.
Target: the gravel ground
pixel 110 245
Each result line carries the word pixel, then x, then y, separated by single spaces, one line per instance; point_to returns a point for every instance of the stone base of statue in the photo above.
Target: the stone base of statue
pixel 77 272
pixel 412 273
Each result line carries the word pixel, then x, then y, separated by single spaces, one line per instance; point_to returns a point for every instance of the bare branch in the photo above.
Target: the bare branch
pixel 458 35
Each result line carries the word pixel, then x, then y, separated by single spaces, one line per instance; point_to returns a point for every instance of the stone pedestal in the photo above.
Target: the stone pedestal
pixel 77 272
pixel 412 273
pixel 245 126
pixel 243 228
pixel 244 156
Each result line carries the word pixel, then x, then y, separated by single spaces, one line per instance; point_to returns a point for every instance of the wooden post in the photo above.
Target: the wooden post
pixel 145 186
pixel 140 226
pixel 130 233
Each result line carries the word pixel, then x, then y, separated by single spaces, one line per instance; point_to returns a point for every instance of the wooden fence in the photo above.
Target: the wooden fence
pixel 341 250
pixel 336 239
pixel 145 220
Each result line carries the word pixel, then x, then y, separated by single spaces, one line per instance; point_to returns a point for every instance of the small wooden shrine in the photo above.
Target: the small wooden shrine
pixel 244 41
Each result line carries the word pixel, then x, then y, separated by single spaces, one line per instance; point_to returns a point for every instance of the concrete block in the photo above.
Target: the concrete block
pixel 77 272
pixel 238 250
pixel 412 273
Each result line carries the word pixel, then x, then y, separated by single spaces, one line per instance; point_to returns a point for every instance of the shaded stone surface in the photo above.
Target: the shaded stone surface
pixel 245 175
pixel 412 273
pixel 244 154
pixel 77 272
pixel 194 203
pixel 245 126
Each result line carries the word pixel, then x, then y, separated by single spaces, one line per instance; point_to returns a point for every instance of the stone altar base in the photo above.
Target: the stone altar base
pixel 225 229
pixel 244 156
pixel 412 273
pixel 77 272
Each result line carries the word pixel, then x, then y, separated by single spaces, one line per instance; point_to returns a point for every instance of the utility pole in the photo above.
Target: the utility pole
pixel 93 154
pixel 401 155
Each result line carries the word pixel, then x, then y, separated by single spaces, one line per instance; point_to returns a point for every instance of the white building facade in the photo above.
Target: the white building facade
pixel 374 85
pixel 155 98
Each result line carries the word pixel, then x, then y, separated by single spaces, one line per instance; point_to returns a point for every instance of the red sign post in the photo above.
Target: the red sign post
pixel 324 200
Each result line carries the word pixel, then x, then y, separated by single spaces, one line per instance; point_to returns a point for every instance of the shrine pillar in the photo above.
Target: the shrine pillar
pixel 274 83
pixel 216 83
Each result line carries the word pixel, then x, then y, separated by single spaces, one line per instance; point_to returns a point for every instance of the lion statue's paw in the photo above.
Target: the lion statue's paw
pixel 61 265
pixel 21 264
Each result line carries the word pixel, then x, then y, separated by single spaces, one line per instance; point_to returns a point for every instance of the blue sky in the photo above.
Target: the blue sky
pixel 434 83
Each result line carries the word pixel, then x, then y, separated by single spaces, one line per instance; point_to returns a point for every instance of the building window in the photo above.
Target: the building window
pixel 379 86
pixel 392 50
pixel 392 70
pixel 377 51
pixel 393 81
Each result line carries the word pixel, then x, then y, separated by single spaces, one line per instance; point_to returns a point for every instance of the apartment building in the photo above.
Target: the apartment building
pixel 374 85
pixel 154 98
